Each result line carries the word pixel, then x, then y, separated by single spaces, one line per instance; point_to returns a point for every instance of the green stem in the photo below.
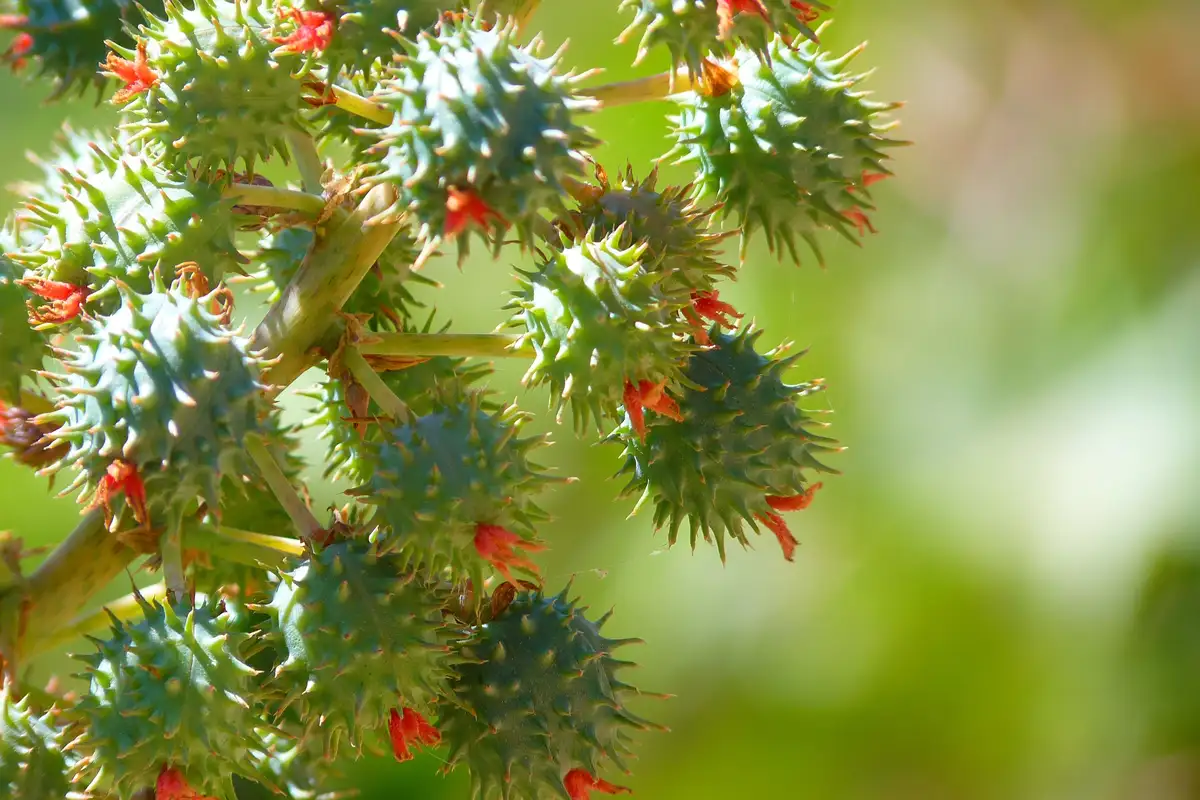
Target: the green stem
pixel 308 161
pixel 383 396
pixel 639 90
pixel 273 197
pixel 301 320
pixel 361 107
pixel 93 622
pixel 245 547
pixel 282 488
pixel 478 345
pixel 172 557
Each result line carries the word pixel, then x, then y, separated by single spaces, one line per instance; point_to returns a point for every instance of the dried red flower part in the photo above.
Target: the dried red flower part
pixel 728 9
pixel 121 477
pixel 137 74
pixel 805 12
pixel 26 438
pixel 410 729
pixel 860 219
pixel 647 394
pixel 314 31
pixel 580 784
pixel 464 208
pixel 22 43
pixel 776 523
pixel 171 785
pixel 709 306
pixel 65 301
pixel 499 546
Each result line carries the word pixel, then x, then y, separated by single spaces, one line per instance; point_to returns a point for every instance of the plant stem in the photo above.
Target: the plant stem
pixel 83 564
pixel 302 317
pixel 638 90
pixel 308 161
pixel 274 197
pixel 383 396
pixel 245 547
pixel 361 107
pixel 282 488
pixel 172 557
pixel 92 622
pixel 479 345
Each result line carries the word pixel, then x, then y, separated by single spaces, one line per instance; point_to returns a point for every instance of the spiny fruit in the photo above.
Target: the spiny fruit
pixel 536 700
pixel 164 390
pixel 112 217
pixel 209 84
pixel 33 765
pixel 786 142
pixel 360 637
pixel 597 322
pixel 22 349
pixel 171 689
pixel 676 231
pixel 695 30
pixel 484 132
pixel 739 453
pixel 455 489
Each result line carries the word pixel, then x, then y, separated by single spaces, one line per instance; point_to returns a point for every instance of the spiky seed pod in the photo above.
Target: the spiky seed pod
pixel 423 387
pixel 360 636
pixel 383 293
pixel 118 218
pixel 437 477
pixel 597 319
pixel 222 93
pixel 742 439
pixel 33 765
pixel 787 145
pixel 483 133
pixel 67 38
pixel 300 767
pixel 22 349
pixel 676 230
pixel 536 695
pixel 333 124
pixel 171 689
pixel 162 385
pixel 693 30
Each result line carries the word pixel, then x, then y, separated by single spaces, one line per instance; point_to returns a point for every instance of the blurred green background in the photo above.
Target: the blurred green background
pixel 1001 596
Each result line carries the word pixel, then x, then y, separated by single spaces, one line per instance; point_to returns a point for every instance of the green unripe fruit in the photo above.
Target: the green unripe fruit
pixel 172 689
pixel 535 696
pixel 694 30
pixel 163 385
pixel 22 349
pixel 477 113
pixel 111 217
pixel 789 148
pixel 300 767
pixel 33 765
pixel 360 637
pixel 675 230
pixel 742 438
pixel 224 93
pixel 435 478
pixel 595 319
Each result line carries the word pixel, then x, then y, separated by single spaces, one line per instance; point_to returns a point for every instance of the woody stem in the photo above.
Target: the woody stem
pixel 638 90
pixel 92 622
pixel 384 397
pixel 273 197
pixel 360 106
pixel 478 345
pixel 282 488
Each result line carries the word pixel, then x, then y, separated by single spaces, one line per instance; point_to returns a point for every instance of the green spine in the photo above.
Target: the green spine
pixel 33 765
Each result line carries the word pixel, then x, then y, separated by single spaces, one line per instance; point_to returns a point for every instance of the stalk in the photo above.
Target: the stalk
pixel 360 106
pixel 90 623
pixel 308 161
pixel 275 197
pixel 302 517
pixel 640 90
pixel 384 397
pixel 476 345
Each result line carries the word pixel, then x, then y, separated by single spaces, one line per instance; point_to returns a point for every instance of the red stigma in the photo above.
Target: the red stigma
pixel 65 301
pixel 137 74
pixel 728 9
pixel 314 31
pixel 708 305
pixel 121 477
pixel 580 784
pixel 464 207
pixel 776 523
pixel 171 785
pixel 647 394
pixel 410 729
pixel 805 12
pixel 496 546
pixel 22 43
pixel 860 220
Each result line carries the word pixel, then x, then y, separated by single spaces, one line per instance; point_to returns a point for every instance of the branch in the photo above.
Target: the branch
pixel 308 161
pixel 302 517
pixel 477 345
pixel 379 391
pixel 638 90
pixel 93 622
pixel 274 197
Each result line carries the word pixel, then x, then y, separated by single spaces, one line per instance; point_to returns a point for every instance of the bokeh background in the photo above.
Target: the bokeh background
pixel 1001 596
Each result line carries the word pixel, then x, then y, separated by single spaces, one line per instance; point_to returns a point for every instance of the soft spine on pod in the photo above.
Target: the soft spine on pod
pixel 535 708
pixel 738 454
pixel 786 143
pixel 33 764
pixel 161 393
pixel 171 691
pixel 598 322
pixel 360 638
pixel 210 85
pixel 454 489
pixel 483 132
pixel 110 218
